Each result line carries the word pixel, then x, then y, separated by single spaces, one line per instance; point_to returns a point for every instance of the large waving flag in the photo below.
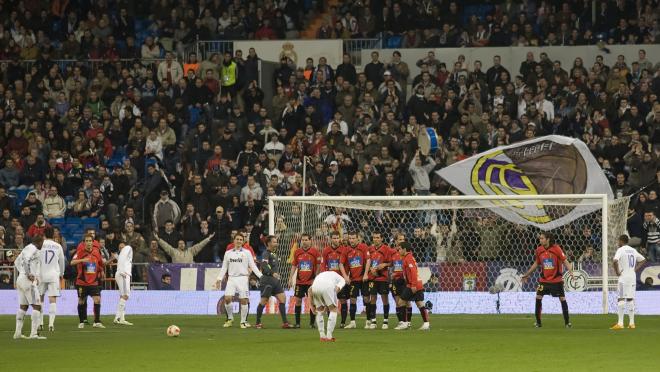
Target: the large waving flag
pixel 541 166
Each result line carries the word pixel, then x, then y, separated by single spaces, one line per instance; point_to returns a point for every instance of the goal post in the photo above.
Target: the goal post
pixel 478 243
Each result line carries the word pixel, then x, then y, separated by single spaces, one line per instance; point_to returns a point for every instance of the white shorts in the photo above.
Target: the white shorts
pixel 28 293
pixel 324 296
pixel 627 287
pixel 238 285
pixel 123 284
pixel 50 289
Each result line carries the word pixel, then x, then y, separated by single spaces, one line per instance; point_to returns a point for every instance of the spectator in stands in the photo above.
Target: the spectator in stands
pixel 38 227
pixel 651 236
pixel 181 254
pixel 54 205
pixel 166 282
pixel 165 210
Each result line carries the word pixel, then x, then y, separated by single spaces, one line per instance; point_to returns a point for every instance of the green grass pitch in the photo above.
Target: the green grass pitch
pixel 455 343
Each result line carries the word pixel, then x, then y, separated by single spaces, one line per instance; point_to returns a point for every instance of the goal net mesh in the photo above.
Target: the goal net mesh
pixel 460 245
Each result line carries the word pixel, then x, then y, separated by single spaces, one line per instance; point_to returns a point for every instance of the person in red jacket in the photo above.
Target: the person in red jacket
pixel 305 266
pixel 354 268
pixel 380 254
pixel 414 290
pixel 89 265
pixel 332 262
pixel 398 282
pixel 38 227
pixel 552 260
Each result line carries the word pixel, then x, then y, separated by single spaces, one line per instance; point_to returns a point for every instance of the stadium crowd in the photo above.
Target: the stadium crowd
pixel 191 150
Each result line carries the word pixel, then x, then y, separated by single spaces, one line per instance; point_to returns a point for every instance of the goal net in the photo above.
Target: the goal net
pixel 468 244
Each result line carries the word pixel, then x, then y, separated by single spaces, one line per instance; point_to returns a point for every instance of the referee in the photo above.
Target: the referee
pixel 270 284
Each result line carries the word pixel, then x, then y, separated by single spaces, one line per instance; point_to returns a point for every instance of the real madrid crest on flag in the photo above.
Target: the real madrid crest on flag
pixel 542 166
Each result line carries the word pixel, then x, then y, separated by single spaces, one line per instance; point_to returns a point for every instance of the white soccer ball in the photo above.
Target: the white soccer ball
pixel 173 331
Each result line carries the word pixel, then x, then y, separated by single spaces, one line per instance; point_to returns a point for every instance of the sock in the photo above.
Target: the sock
pixel 36 315
pixel 537 310
pixel 312 317
pixel 386 312
pixel 564 311
pixel 81 312
pixel 283 312
pixel 320 325
pixel 229 308
pixel 84 313
pixel 409 312
pixel 20 315
pixel 621 308
pixel 373 312
pixel 97 313
pixel 298 311
pixel 424 313
pixel 332 321
pixel 120 309
pixel 41 317
pixel 244 313
pixel 353 310
pixel 399 313
pixel 344 312
pixel 631 312
pixel 52 312
pixel 405 314
pixel 260 310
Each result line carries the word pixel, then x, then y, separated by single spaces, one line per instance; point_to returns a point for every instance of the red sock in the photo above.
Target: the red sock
pixel 424 313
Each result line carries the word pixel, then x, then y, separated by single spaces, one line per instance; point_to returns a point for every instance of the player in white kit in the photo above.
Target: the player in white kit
pixel 626 263
pixel 123 279
pixel 52 271
pixel 237 264
pixel 28 264
pixel 323 295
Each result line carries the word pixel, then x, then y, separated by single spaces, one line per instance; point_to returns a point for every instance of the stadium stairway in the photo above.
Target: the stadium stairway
pixel 315 23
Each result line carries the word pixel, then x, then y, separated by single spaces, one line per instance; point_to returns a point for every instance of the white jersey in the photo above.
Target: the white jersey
pixel 52 261
pixel 627 257
pixel 125 261
pixel 28 262
pixel 328 280
pixel 237 262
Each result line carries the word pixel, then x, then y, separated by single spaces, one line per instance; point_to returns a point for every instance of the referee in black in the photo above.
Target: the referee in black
pixel 270 284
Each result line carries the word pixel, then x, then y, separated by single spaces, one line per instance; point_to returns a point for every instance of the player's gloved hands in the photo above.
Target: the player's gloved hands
pixel 276 276
pixel 31 277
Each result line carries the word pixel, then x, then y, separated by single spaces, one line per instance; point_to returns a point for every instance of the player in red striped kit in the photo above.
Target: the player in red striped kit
pixel 90 268
pixel 306 265
pixel 332 262
pixel 380 254
pixel 355 268
pixel 552 260
pixel 414 290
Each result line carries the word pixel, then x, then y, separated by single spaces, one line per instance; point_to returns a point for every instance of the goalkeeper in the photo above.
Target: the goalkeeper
pixel 270 284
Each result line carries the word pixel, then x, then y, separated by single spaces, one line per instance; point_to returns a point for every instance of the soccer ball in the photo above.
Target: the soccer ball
pixel 173 331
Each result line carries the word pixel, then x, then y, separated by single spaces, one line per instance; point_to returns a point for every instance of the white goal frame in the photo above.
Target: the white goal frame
pixel 601 198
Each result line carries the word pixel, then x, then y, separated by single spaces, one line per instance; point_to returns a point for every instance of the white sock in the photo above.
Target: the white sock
pixel 631 312
pixel 229 307
pixel 52 312
pixel 20 315
pixel 320 324
pixel 332 321
pixel 36 315
pixel 41 317
pixel 244 313
pixel 621 308
pixel 121 307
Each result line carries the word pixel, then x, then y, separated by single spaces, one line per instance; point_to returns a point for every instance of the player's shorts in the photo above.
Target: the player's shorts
pixel 238 285
pixel 408 295
pixel 50 289
pixel 627 288
pixel 378 288
pixel 88 290
pixel 269 286
pixel 123 284
pixel 28 292
pixel 357 288
pixel 344 293
pixel 324 297
pixel 397 286
pixel 301 290
pixel 553 289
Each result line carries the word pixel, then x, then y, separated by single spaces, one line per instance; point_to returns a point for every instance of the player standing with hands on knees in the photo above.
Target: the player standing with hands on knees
pixel 28 264
pixel 323 296
pixel 237 264
pixel 626 262
pixel 552 259
pixel 52 270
